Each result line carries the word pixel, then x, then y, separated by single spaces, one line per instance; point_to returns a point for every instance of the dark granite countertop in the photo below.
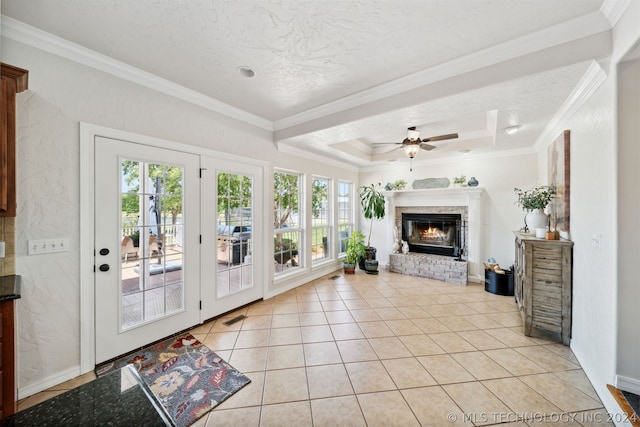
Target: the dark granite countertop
pixel 119 398
pixel 9 287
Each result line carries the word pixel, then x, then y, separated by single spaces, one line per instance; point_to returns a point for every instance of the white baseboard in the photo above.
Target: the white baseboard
pixel 628 384
pixel 48 382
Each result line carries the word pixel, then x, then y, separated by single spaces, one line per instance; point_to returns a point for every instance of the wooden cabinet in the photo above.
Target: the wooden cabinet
pixel 543 274
pixel 14 80
pixel 8 393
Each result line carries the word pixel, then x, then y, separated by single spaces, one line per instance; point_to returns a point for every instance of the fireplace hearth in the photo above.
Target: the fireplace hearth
pixel 433 233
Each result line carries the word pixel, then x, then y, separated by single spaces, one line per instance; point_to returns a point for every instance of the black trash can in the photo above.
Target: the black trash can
pixel 499 284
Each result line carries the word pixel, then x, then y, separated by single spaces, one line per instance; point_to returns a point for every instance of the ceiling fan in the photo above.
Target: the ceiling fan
pixel 412 143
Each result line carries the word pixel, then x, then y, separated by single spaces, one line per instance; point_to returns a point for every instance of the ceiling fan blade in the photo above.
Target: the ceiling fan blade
pixel 441 137
pixel 427 147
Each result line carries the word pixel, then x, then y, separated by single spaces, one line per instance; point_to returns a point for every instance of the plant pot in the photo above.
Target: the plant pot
pixel 349 268
pixel 371 266
pixel 369 254
pixel 536 219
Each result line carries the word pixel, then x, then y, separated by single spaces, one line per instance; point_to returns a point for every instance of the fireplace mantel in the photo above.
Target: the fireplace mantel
pixel 469 197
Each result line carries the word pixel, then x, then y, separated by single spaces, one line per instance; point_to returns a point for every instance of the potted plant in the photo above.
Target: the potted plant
pixel 373 208
pixel 460 180
pixel 534 201
pixel 354 251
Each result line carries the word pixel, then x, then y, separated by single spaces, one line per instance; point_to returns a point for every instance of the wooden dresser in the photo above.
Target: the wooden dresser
pixel 543 272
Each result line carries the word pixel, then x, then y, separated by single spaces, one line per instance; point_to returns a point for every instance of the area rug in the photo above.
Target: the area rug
pixel 188 378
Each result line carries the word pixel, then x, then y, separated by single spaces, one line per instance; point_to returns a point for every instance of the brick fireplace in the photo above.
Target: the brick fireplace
pixel 464 203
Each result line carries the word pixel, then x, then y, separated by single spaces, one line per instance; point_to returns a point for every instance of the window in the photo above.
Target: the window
pixel 345 213
pixel 320 219
pixel 287 231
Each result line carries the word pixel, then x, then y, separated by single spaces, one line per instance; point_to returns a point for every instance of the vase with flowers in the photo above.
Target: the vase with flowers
pixel 534 201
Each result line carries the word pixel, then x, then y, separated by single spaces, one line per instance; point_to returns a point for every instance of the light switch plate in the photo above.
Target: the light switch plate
pixel 47 246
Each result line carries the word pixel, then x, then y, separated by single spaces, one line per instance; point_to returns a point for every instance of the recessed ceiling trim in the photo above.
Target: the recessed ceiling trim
pixel 575 29
pixel 47 42
pixel 614 9
pixel 588 84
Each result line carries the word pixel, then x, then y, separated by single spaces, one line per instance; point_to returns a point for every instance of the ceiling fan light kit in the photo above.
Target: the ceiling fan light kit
pixel 412 143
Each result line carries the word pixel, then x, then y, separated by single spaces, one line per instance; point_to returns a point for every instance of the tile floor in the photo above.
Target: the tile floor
pixel 391 350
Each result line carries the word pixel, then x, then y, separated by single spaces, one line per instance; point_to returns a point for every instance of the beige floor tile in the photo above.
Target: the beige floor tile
pixel 379 302
pixel 257 322
pixel 547 359
pixel 286 414
pixel 444 369
pixel 75 382
pixel 285 336
pixel 595 418
pixel 317 333
pixel 510 338
pixel 313 319
pixel 520 398
pixel 482 321
pixel 285 385
pixel 356 304
pixel 285 356
pixel 321 353
pixel 562 350
pixel 249 395
pixel 514 362
pixel 239 417
pixel 452 342
pixel 408 373
pixel 346 331
pixel 477 402
pixel 480 365
pixel 414 312
pixel 562 394
pixel 369 293
pixel 345 295
pixel 329 296
pixel 386 409
pixel 403 327
pixel 421 345
pixel 343 316
pixel 356 351
pixel 249 359
pixel 285 320
pixel 400 301
pixel 333 305
pixel 309 296
pixel 365 315
pixel 434 408
pixel 369 377
pixel 375 329
pixel 285 308
pixel 579 380
pixel 253 338
pixel 507 319
pixel 309 307
pixel 337 411
pixel 431 325
pixel 389 348
pixel 389 313
pixel 221 340
pixel 328 381
pixel 205 328
pixel 481 340
pixel 260 308
pixel 457 323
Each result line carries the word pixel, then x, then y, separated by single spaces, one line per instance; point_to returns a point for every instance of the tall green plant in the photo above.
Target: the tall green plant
pixel 372 203
pixel 355 248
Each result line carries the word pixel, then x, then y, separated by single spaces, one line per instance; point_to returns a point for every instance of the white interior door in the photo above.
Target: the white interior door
pixel 147 220
pixel 232 235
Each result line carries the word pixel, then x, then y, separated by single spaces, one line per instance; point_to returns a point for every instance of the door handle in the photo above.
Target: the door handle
pixel 104 267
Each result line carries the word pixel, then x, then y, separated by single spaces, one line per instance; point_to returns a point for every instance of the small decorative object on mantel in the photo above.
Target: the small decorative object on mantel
pixel 400 184
pixel 420 184
pixel 405 247
pixel 460 181
pixel 396 241
pixel 473 182
pixel 534 201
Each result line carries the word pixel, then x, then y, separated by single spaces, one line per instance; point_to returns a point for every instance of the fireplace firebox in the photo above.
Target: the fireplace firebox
pixel 433 233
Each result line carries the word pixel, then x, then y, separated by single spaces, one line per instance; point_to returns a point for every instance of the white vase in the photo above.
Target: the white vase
pixel 536 219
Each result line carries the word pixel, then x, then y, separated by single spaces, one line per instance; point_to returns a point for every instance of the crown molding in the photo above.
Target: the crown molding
pixel 565 32
pixel 289 149
pixel 47 42
pixel 614 9
pixel 588 84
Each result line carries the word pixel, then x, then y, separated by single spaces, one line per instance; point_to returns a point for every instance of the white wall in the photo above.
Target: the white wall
pixel 61 95
pixel 628 230
pixel 497 175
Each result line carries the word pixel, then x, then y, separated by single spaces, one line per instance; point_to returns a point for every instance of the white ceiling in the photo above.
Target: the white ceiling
pixel 333 77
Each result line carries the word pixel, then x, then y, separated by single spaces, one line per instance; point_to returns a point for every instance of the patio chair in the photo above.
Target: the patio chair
pixel 153 245
pixel 127 249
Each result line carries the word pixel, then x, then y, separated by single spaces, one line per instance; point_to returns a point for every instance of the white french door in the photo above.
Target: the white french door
pixel 147 255
pixel 232 254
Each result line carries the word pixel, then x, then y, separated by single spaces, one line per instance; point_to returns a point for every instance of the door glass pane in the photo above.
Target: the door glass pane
pixel 234 245
pixel 152 282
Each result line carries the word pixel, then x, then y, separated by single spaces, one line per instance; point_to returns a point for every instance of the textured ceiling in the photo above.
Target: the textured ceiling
pixel 335 76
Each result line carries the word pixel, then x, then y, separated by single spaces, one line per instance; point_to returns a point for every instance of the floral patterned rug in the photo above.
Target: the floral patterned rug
pixel 188 378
